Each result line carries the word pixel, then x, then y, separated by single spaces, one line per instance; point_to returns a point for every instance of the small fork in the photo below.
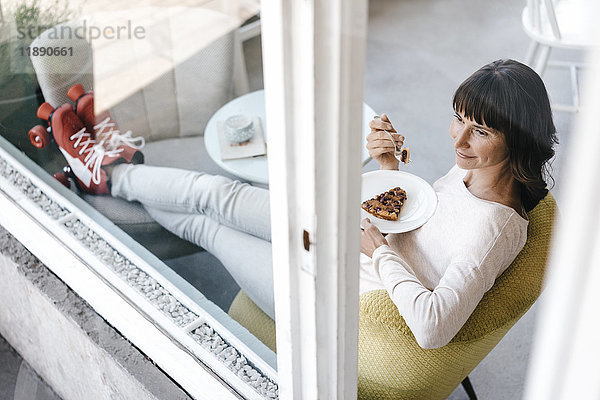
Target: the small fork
pixel 397 151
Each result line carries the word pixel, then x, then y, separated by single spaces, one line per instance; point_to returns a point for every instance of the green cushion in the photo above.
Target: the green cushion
pixel 391 365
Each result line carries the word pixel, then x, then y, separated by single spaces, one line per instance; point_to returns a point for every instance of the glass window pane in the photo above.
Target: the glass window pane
pixel 154 85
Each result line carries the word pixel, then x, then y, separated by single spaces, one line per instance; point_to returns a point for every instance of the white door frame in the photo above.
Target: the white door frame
pixel 314 55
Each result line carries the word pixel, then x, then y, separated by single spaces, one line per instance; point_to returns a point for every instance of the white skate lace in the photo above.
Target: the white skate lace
pixel 113 138
pixel 95 152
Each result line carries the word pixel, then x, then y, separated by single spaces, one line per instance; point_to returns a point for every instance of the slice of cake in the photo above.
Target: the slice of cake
pixel 405 155
pixel 386 205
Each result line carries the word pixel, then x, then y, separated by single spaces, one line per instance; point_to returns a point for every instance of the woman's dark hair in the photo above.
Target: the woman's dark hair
pixel 511 98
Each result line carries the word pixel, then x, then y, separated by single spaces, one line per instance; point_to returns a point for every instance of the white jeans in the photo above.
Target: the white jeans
pixel 228 218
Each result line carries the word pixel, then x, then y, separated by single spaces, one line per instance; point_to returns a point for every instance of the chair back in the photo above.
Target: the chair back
pixel 56 74
pixel 561 23
pixel 543 10
pixel 164 84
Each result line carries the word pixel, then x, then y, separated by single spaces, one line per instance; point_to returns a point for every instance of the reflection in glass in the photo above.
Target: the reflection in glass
pixel 138 83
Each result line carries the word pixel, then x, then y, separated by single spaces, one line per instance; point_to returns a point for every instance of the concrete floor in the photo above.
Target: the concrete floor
pixel 18 381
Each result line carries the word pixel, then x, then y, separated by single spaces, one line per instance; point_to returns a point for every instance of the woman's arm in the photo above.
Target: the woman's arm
pixel 434 316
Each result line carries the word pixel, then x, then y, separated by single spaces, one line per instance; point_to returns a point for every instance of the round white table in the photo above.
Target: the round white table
pixel 255 169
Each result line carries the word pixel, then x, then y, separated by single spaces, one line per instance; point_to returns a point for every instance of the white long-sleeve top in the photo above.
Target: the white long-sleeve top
pixel 437 274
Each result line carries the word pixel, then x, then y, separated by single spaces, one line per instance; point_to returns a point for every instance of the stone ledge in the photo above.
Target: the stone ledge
pixel 70 346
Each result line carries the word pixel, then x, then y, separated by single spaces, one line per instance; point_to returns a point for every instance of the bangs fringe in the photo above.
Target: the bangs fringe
pixel 484 99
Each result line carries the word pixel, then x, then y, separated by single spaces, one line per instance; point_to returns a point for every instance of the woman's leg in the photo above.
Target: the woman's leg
pixel 247 258
pixel 231 203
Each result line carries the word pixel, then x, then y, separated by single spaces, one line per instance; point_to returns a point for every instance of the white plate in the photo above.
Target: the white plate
pixel 419 206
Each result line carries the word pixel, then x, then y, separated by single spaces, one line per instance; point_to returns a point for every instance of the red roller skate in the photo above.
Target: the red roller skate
pixel 66 176
pixel 63 177
pixel 104 127
pixel 84 155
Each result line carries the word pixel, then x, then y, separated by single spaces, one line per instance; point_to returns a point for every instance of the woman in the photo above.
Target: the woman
pixel 503 135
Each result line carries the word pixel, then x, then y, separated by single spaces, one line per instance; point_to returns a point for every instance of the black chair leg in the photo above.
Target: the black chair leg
pixel 466 383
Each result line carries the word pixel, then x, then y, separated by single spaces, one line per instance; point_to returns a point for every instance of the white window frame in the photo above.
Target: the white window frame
pixel 314 55
pixel 314 69
pixel 29 199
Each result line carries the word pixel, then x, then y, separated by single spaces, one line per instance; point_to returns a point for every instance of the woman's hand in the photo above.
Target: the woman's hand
pixel 370 238
pixel 379 144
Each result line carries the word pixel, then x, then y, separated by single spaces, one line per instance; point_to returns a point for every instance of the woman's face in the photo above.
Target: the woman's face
pixel 477 146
